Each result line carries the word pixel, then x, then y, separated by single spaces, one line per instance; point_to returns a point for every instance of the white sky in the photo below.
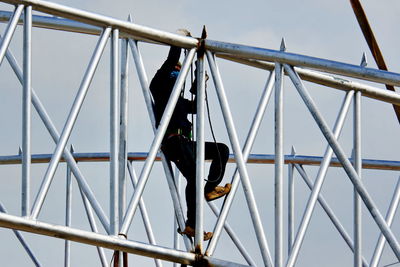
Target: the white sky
pixel 326 29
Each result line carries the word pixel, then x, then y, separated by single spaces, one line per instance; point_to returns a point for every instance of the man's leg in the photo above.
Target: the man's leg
pixel 219 154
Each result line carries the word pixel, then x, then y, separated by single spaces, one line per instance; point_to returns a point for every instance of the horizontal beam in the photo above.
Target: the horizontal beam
pixel 134 30
pixel 253 158
pixel 325 65
pixel 324 79
pixel 149 34
pixel 62 24
pixel 100 240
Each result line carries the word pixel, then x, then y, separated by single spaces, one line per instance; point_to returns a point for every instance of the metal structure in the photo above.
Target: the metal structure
pixel 114 234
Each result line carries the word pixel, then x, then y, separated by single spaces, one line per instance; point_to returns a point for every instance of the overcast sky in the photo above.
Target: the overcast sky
pixel 326 29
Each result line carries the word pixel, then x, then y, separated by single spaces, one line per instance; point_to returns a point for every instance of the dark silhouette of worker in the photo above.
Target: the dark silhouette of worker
pixel 177 145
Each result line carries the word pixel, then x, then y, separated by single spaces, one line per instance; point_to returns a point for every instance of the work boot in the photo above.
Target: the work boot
pixel 218 192
pixel 189 231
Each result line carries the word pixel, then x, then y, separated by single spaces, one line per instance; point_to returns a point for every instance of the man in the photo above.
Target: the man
pixel 177 144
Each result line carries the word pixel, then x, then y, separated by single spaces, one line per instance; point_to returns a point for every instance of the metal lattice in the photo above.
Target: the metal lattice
pixel 115 231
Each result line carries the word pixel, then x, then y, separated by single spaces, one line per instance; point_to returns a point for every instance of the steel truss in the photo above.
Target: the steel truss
pixel 117 223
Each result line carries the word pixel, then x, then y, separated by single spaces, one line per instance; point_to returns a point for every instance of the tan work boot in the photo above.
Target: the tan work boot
pixel 189 231
pixel 218 192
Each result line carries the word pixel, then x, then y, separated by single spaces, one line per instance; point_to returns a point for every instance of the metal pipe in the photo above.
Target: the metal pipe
pixel 329 212
pixel 110 242
pixel 372 164
pixel 123 130
pixel 143 210
pixel 22 240
pixel 114 134
pixel 324 79
pixel 319 180
pixel 246 151
pixel 324 65
pixel 93 227
pixel 26 113
pixel 9 32
pixel 278 165
pixel 69 124
pixel 291 203
pixel 255 216
pixel 377 216
pixel 68 213
pixel 168 172
pixel 389 219
pixel 358 168
pixel 55 135
pixel 156 142
pixel 132 29
pixel 233 236
pixel 200 153
pixel 176 223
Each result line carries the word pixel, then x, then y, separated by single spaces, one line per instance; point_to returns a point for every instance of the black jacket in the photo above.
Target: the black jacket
pixel 161 87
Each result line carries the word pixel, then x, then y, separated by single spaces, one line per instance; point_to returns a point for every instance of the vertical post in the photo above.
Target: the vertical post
pixel 200 150
pixel 291 204
pixel 123 134
pixel 114 112
pixel 68 213
pixel 358 168
pixel 176 222
pixel 26 112
pixel 279 161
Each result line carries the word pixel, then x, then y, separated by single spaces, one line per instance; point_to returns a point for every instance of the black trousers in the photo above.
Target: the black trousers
pixel 182 152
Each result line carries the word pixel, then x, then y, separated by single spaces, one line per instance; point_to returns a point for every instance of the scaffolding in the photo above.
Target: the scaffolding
pixel 114 234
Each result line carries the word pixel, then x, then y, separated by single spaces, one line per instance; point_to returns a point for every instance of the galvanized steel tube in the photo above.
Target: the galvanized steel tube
pixel 168 172
pixel 255 216
pixel 329 212
pixel 26 112
pixel 278 115
pixel 9 32
pixel 358 168
pixel 103 21
pixel 246 151
pixel 69 124
pixel 389 219
pixel 157 142
pixel 123 131
pixel 200 154
pixel 22 240
pixel 68 213
pixel 114 133
pixel 324 65
pixel 55 135
pixel 352 174
pixel 143 210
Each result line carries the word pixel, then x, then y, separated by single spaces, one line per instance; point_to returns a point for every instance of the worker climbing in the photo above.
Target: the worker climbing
pixel 177 144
